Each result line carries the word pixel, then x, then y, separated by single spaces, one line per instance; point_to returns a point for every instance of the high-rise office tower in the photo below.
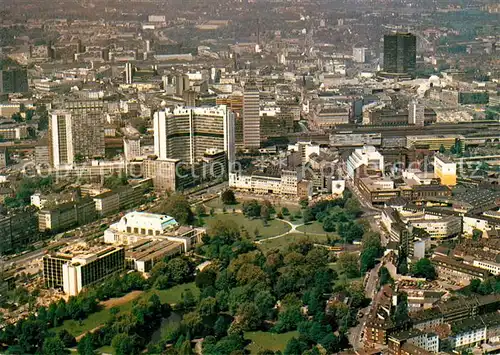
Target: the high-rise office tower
pixel 400 53
pixel 61 151
pixel 129 73
pixel 186 133
pixel 13 80
pixel 251 118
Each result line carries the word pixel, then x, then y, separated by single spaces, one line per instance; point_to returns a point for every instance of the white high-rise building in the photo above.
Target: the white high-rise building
pixel 61 151
pixel 186 133
pixel 251 117
pixel 129 73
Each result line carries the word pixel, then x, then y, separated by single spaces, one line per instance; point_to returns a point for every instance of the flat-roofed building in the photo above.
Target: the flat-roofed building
pixel 491 266
pixel 143 255
pixel 163 172
pixel 377 191
pixel 445 169
pixel 73 272
pixel 447 267
pixel 66 215
pixel 18 231
pixel 107 203
pixel 87 269
pixel 439 227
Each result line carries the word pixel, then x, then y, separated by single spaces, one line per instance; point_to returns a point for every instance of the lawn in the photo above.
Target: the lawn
pixel 274 227
pixel 314 227
pixel 270 341
pixel 172 295
pixel 93 321
pixel 217 203
pixel 106 350
pixel 286 240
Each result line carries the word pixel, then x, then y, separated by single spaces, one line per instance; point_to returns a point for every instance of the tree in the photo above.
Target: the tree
pixel 177 206
pixel 54 346
pixel 185 348
pixel 372 240
pixel 251 209
pixel 228 197
pixel 188 300
pixel 329 224
pixel 295 347
pixel 285 211
pixel 32 334
pixel 226 229
pixel 221 326
pixel 124 344
pixel 307 215
pixel 477 234
pixel 353 207
pixel 266 302
pixel 424 268
pixel 368 259
pixel 208 306
pixel 442 149
pixel 192 323
pixel 400 316
pixel 265 214
pixel 200 211
pixel 349 264
pixel 86 345
pixel 179 270
pixel 304 202
pixel 402 267
pixel 384 276
pixel 205 278
pixel 68 339
pixel 249 316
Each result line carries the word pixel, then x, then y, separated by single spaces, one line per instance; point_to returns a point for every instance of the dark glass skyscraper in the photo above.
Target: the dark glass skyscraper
pixel 400 53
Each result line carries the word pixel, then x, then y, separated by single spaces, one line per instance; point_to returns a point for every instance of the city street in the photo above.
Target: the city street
pixel 355 334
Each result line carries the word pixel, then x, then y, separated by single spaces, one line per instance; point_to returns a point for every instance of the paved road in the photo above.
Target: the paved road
pixel 370 291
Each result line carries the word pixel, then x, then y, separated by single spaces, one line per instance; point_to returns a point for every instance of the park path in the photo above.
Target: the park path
pixel 294 229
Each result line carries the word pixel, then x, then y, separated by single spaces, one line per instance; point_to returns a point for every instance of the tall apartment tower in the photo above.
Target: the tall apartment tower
pixel 61 151
pixel 251 117
pixel 129 73
pixel 400 53
pixel 186 133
